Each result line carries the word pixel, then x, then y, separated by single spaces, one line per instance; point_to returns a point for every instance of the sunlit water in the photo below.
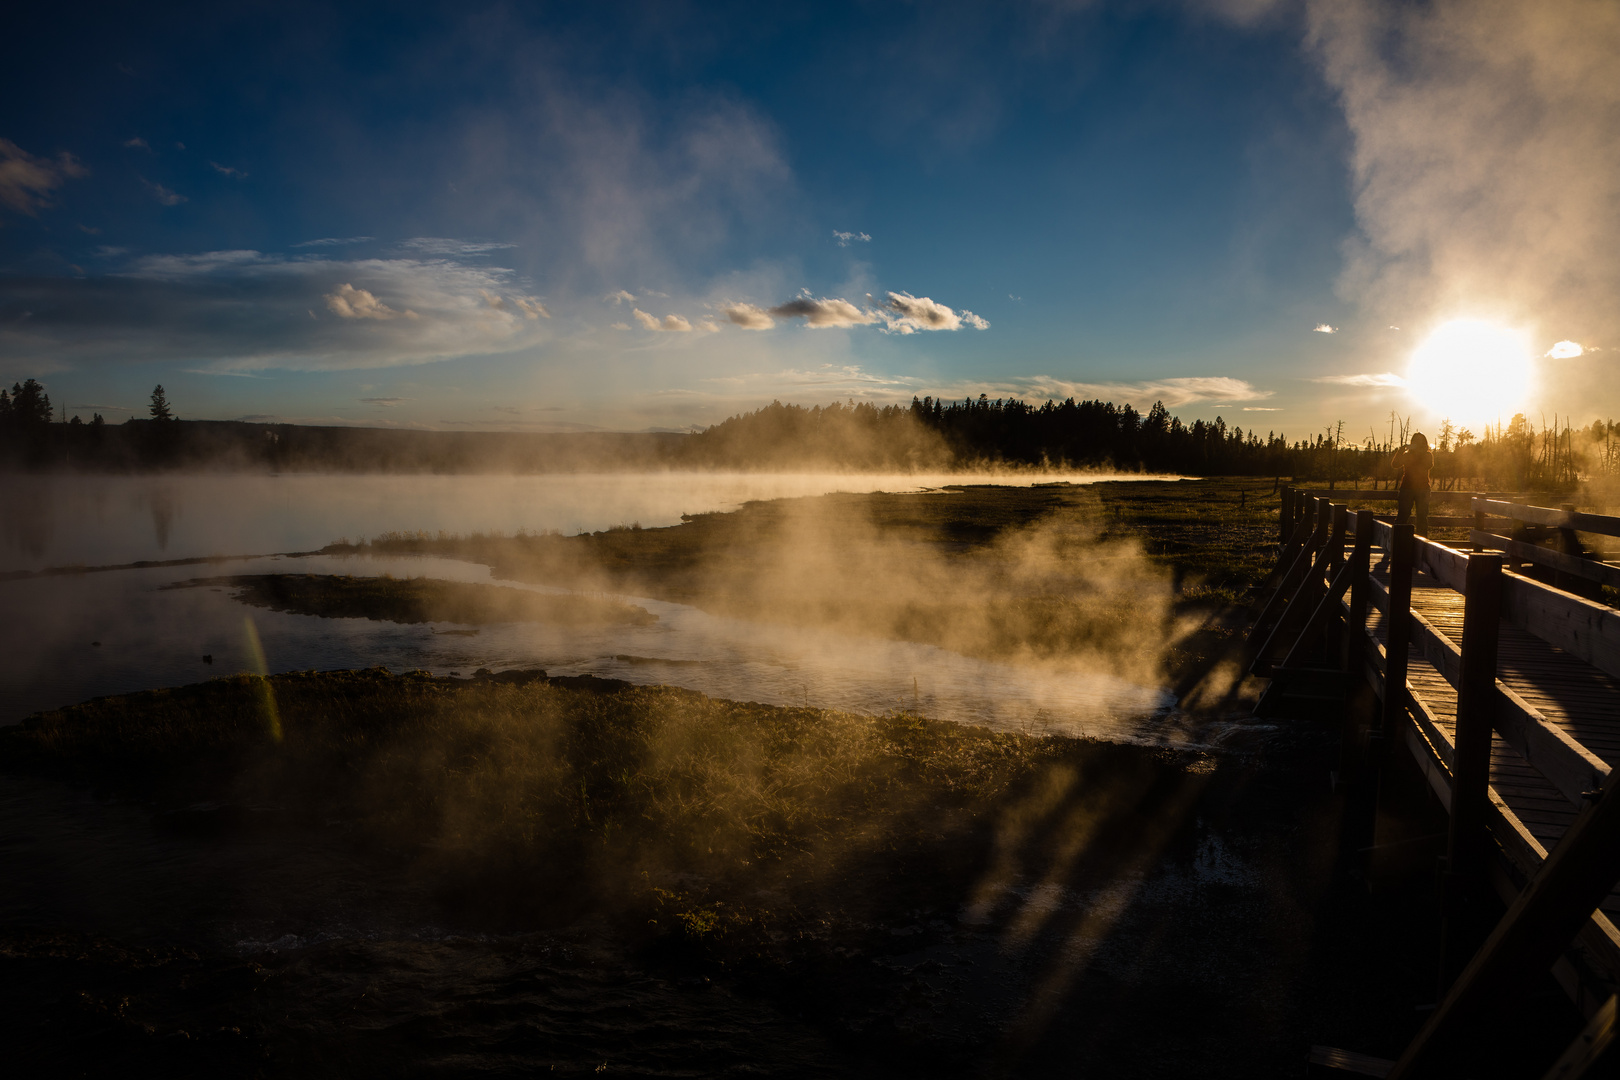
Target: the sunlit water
pixel 150 637
pixel 106 520
pixel 71 637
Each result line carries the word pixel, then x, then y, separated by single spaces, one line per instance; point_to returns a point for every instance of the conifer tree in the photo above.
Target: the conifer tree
pixel 160 405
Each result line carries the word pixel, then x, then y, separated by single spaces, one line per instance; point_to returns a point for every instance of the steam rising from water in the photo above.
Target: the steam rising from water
pixel 1487 174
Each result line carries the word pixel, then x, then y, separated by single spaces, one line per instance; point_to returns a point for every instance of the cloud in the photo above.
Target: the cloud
pixel 1324 328
pixel 137 143
pixel 531 307
pixel 621 297
pixel 439 245
pixel 241 311
pixel 1385 378
pixel 333 241
pixel 349 302
pixel 846 238
pixel 1261 408
pixel 384 402
pixel 163 194
pixel 912 314
pixel 1484 165
pixel 668 322
pixel 226 170
pixel 748 316
pixel 1565 350
pixel 1174 392
pixel 26 181
pixel 823 313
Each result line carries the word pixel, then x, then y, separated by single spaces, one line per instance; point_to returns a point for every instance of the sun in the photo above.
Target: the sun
pixel 1472 371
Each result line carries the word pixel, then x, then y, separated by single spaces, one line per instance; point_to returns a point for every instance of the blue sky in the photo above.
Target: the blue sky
pixel 629 216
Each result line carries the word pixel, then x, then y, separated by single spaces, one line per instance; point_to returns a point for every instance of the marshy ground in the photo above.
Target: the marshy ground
pixel 358 873
pixel 419 600
pixel 1139 577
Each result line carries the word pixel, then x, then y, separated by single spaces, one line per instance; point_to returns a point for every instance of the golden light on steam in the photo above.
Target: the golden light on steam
pixel 1472 371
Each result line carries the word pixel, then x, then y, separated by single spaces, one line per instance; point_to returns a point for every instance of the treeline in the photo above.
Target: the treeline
pixel 984 432
pixel 929 434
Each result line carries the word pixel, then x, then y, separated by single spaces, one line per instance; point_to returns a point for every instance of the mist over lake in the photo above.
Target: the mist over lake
pixel 98 520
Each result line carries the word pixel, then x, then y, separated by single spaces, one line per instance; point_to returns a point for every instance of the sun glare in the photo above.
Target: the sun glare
pixel 1472 371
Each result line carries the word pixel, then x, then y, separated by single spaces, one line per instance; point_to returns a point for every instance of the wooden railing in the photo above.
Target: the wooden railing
pixel 1322 596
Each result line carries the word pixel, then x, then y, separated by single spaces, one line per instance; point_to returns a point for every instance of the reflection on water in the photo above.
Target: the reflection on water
pixel 81 636
pixel 111 520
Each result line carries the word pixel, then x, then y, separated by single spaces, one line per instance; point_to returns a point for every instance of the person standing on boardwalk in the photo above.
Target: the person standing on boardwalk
pixel 1413 463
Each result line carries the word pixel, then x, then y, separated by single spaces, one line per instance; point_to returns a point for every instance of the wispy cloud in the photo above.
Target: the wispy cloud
pixel 333 241
pixel 1261 408
pixel 384 402
pixel 1565 350
pixel 137 143
pixel 439 245
pixel 531 307
pixel 26 181
pixel 226 170
pixel 349 302
pixel 1174 392
pixel 846 238
pixel 621 297
pixel 239 311
pixel 1384 378
pixel 164 195
pixel 669 322
pixel 1324 328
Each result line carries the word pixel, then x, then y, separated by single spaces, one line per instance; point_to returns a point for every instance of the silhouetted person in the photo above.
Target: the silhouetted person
pixel 1413 463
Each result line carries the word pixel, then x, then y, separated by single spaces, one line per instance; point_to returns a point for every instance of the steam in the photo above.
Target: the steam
pixel 1487 175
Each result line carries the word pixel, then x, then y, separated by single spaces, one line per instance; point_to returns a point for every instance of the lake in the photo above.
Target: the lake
pixel 100 520
pixel 70 637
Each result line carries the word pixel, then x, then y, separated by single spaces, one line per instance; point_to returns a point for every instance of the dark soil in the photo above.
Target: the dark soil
pixel 518 874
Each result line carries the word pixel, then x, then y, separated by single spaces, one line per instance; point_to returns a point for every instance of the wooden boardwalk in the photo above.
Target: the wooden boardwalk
pixel 1581 700
pixel 1502 683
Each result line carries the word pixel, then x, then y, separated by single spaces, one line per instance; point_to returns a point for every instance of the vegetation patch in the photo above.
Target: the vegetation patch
pixel 519 793
pixel 419 600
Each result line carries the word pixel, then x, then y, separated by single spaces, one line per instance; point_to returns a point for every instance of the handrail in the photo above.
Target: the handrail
pixel 1590 569
pixel 1583 628
pixel 1586 630
pixel 1392 494
pixel 1601 524
pixel 1567 765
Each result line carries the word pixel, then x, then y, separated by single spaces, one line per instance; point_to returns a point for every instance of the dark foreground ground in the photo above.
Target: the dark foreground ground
pixel 362 874
pixel 508 875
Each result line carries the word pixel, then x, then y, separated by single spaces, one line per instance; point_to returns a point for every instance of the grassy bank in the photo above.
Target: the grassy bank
pixel 419 600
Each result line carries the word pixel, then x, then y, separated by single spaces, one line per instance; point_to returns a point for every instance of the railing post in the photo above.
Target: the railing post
pixel 1479 516
pixel 1341 525
pixel 1285 518
pixel 1350 652
pixel 1398 630
pixel 1467 850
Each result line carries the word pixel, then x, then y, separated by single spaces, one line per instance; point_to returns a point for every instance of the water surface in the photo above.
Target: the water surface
pixel 102 520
